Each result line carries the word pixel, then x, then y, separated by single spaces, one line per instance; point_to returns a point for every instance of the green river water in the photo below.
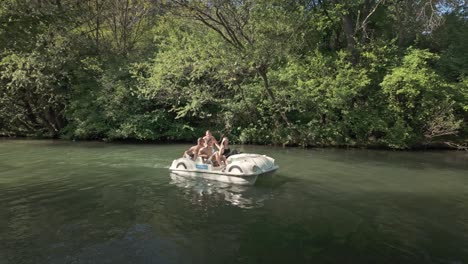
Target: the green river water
pixel 91 202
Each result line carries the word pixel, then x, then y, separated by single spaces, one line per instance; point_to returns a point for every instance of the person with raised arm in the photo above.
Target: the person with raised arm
pixel 224 149
pixel 193 151
pixel 209 154
pixel 208 136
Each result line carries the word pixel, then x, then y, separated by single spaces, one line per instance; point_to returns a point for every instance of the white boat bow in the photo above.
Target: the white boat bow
pixel 241 168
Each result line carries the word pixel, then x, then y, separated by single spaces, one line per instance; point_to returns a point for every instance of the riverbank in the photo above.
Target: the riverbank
pixel 427 147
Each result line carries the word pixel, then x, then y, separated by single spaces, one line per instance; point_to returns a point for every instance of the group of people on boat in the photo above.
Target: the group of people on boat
pixel 205 149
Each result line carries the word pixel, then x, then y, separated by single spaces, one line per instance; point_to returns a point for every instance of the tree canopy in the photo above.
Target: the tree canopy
pixel 388 73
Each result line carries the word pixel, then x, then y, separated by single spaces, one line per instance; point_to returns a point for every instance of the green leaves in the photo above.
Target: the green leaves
pixel 420 99
pixel 35 87
pixel 311 73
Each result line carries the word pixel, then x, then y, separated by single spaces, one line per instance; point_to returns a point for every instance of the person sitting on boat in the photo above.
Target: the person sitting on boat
pixel 193 151
pixel 224 148
pixel 208 136
pixel 209 154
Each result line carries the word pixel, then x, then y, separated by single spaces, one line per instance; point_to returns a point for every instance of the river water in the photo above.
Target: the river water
pixel 90 202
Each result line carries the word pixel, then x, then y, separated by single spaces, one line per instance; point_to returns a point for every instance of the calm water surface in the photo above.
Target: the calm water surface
pixel 69 202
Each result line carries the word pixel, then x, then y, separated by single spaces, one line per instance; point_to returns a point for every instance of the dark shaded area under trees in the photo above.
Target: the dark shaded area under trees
pixel 387 73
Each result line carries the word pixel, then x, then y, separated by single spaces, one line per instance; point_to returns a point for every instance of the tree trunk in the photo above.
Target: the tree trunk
pixel 348 28
pixel 400 25
pixel 98 24
pixel 349 32
pixel 29 112
pixel 125 29
pixel 263 74
pixel 47 120
pixel 58 3
pixel 59 120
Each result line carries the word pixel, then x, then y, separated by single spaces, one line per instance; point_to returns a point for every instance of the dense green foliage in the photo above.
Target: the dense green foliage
pixel 390 73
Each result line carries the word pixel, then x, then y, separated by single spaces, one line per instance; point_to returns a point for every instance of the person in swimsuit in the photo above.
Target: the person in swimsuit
pixel 192 152
pixel 208 153
pixel 224 149
pixel 208 136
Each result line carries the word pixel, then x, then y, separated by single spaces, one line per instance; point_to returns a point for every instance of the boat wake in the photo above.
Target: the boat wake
pixel 200 190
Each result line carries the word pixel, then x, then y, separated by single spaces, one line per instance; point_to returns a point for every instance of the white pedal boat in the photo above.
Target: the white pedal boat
pixel 241 168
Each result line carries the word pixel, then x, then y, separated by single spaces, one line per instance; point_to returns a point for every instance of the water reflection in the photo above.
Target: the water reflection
pixel 138 244
pixel 199 190
pixel 104 203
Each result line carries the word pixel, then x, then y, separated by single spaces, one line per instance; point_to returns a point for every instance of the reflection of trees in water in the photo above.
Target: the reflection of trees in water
pixel 209 193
